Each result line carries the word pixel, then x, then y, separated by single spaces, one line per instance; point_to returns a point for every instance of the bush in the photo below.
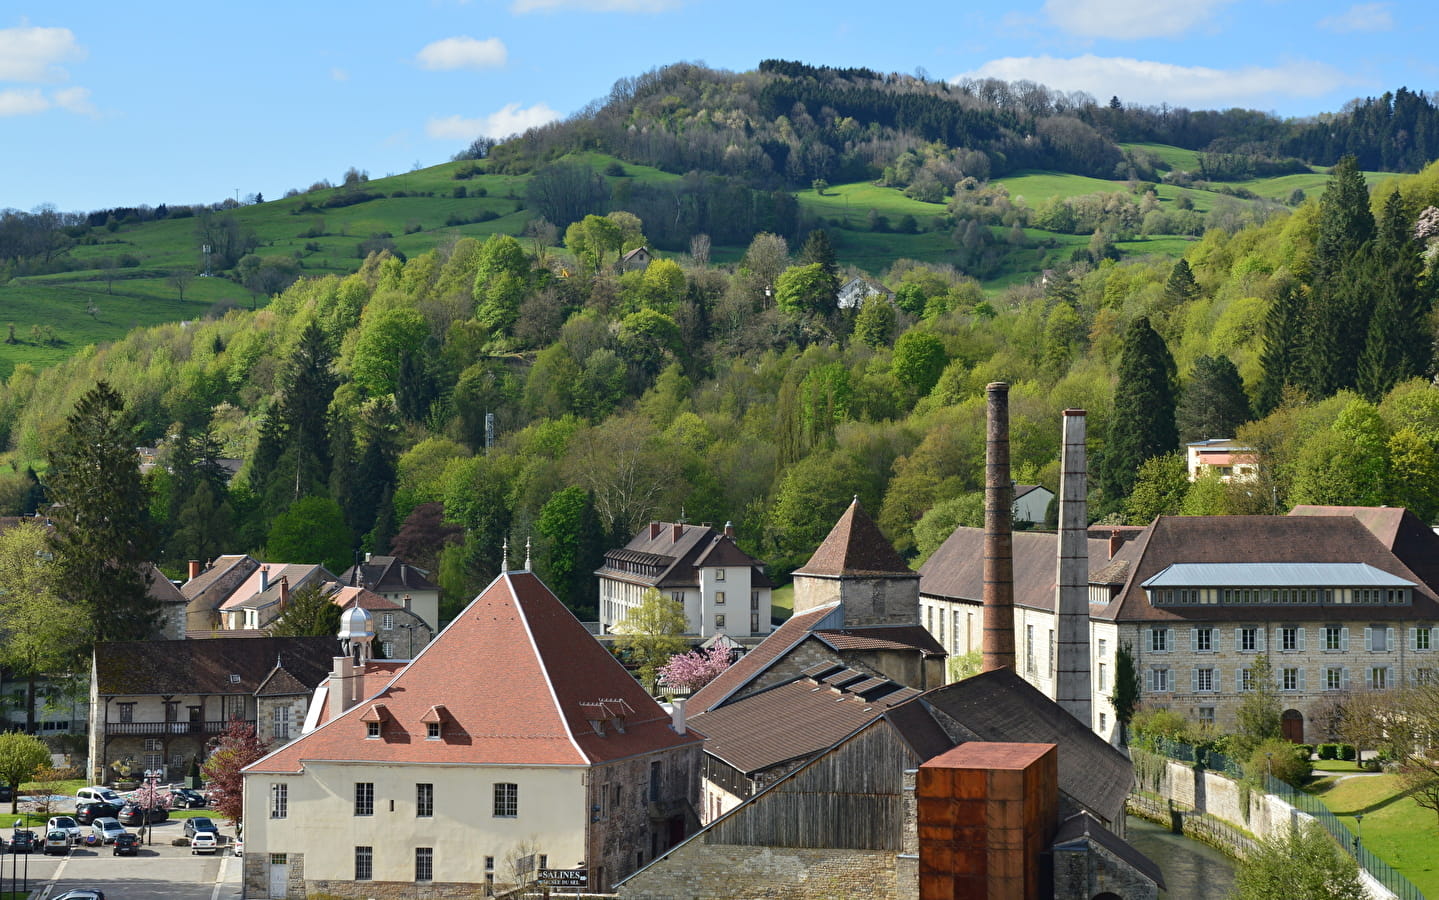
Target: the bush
pixel 1287 762
pixel 1328 751
pixel 459 192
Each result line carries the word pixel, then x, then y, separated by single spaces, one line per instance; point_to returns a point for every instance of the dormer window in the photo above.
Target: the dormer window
pixel 432 731
pixel 372 729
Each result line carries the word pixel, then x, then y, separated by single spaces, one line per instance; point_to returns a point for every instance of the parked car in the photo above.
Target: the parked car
pixel 238 848
pixel 57 842
pixel 106 830
pixel 204 842
pixel 65 824
pixel 200 824
pixel 97 793
pixel 87 813
pixel 22 841
pixel 131 814
pixel 126 844
pixel 187 798
pixel 81 895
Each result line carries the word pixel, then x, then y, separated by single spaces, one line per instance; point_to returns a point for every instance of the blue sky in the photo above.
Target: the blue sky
pixel 110 104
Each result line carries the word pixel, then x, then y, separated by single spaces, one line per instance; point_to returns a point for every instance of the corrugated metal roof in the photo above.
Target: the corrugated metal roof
pixel 1274 575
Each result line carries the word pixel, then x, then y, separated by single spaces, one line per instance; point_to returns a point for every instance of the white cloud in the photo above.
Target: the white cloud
pixel 1120 19
pixel 22 102
pixel 35 54
pixel 76 100
pixel 1360 17
pixel 619 6
pixel 513 119
pixel 462 53
pixel 1147 82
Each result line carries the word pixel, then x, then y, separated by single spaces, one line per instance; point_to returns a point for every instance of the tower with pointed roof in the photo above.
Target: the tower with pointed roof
pixel 858 567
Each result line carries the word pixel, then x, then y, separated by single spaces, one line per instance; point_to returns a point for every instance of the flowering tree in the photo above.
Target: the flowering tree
pixel 149 796
pixel 229 754
pixel 692 671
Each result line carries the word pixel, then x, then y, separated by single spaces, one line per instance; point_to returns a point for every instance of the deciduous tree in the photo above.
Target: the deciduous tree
pixel 21 756
pixel 229 754
pixel 1301 864
pixel 37 630
pixel 692 671
pixel 651 633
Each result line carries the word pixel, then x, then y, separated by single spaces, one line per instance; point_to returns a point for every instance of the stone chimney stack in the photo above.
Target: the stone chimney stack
pixel 264 578
pixel 1115 542
pixel 677 715
pixel 998 641
pixel 341 689
pixel 1072 688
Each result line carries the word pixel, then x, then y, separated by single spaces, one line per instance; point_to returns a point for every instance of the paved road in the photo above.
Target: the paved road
pixel 160 872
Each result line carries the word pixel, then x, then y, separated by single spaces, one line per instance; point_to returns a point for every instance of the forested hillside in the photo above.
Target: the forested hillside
pixel 740 392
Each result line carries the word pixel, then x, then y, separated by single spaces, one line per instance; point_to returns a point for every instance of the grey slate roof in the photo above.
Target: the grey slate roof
pixel 1083 826
pixel 1274 575
pixel 671 557
pixel 128 668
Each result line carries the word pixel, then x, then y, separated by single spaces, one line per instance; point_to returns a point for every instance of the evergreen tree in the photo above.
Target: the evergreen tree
pixel 1181 289
pixel 1340 300
pixel 818 249
pixel 309 613
pixel 103 538
pixel 1213 403
pixel 1144 402
pixel 1283 337
pixel 1397 345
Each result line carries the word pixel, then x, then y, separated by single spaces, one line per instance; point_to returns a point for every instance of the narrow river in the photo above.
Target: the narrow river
pixel 1192 871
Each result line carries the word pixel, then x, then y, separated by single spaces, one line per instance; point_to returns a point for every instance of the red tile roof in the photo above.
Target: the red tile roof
pixel 855 546
pixel 344 595
pixel 512 671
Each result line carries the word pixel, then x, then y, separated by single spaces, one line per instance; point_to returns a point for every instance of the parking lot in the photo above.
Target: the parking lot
pixel 159 871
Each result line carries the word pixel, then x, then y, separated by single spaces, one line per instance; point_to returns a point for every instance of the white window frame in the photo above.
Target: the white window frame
pixel 507 800
pixel 279 800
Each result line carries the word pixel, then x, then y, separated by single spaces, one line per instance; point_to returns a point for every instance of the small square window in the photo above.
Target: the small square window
pixel 372 729
pixel 719 621
pixel 432 731
pixel 719 574
pixel 719 598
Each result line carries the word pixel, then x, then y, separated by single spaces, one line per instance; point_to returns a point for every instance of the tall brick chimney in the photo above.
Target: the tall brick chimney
pixel 194 569
pixel 1071 579
pixel 654 530
pixel 998 641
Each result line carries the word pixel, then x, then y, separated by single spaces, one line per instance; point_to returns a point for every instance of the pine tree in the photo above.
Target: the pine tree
pixel 1144 401
pixel 103 534
pixel 1181 289
pixel 1283 336
pixel 1340 300
pixel 818 249
pixel 1213 403
pixel 1397 345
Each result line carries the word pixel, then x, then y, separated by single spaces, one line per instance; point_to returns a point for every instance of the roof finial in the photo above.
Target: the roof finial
pixel 527 553
pixel 505 555
pixel 855 501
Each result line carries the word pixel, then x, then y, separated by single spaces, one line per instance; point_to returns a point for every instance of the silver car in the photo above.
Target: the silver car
pixel 107 829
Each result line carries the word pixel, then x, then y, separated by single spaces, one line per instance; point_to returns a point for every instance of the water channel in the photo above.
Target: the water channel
pixel 1192 871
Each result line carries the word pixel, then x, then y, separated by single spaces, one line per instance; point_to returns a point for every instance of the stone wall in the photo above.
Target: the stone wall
pixel 732 872
pixel 255 875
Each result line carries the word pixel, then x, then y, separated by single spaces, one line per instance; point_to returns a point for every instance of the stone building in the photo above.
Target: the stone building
pixel 513 747
pixel 154 705
pixel 1323 593
pixel 396 581
pixel 400 632
pixel 723 589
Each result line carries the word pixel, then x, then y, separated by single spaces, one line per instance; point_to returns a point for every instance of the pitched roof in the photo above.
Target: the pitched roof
pixel 1404 533
pixel 1083 826
pixel 1302 539
pixel 512 671
pixel 214 572
pixel 798 718
pixel 754 663
pixel 956 570
pixel 882 637
pixel 346 595
pixel 206 666
pixel 1021 490
pixel 669 554
pixel 388 574
pixel 262 588
pixel 161 588
pixel 855 546
pixel 999 705
pixel 280 683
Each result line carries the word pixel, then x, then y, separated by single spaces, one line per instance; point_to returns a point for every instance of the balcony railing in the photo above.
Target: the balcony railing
pixel 154 728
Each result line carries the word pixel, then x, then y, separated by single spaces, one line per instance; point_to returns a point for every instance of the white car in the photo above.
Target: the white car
pixel 66 824
pixel 107 829
pixel 204 842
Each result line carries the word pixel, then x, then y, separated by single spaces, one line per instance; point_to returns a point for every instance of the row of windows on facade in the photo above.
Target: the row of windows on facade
pixel 231 707
pixel 1251 639
pixel 432 730
pixel 1160 679
pixel 1282 596
pixel 424 865
pixel 506 800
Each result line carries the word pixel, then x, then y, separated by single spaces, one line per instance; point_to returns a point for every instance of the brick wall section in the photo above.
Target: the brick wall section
pixel 730 872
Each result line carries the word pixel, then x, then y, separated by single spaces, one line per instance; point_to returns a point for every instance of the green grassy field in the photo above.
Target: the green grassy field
pixel 1396 828
pixel 56 315
pixel 1174 157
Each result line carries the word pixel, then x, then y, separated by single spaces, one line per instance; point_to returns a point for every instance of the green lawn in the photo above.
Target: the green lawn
pixel 851 203
pixel 1174 157
pixel 1402 833
pixel 782 601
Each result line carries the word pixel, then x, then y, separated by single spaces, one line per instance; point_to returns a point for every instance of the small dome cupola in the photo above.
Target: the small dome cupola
pixel 357 631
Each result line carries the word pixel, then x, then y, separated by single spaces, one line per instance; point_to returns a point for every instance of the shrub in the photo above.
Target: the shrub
pixel 1347 752
pixel 459 192
pixel 1287 762
pixel 1328 751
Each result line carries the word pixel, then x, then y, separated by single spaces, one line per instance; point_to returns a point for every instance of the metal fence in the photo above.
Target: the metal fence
pixel 1214 761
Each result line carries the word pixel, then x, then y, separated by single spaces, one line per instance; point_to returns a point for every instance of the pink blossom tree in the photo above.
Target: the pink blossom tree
pixel 692 671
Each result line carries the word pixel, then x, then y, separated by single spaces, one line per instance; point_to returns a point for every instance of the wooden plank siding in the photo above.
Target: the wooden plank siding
pixel 850 797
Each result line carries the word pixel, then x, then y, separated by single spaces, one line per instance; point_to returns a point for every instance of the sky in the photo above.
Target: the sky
pixel 108 104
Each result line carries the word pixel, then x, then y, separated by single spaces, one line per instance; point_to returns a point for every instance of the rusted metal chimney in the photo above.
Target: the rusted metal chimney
pixel 1072 690
pixel 998 642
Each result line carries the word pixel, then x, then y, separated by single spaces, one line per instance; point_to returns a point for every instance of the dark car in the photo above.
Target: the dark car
pixel 87 813
pixel 130 814
pixel 24 842
pixel 200 823
pixel 186 798
pixel 126 845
